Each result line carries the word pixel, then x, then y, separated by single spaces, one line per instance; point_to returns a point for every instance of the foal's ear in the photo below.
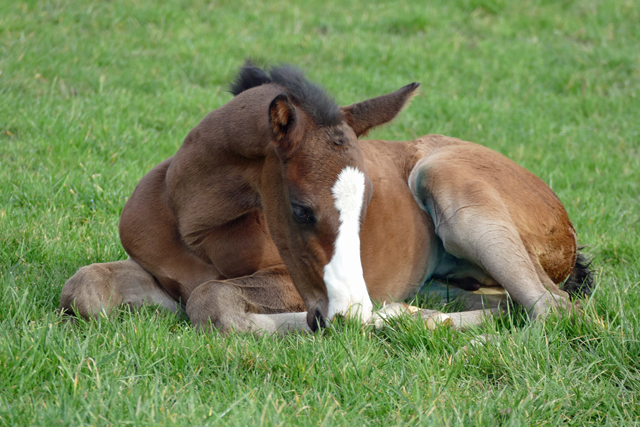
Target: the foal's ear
pixel 282 119
pixel 377 111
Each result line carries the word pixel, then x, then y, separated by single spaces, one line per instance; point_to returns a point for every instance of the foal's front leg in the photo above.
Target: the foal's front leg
pixel 266 301
pixel 99 288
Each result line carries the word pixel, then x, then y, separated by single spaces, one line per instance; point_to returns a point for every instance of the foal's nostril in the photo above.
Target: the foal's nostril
pixel 317 321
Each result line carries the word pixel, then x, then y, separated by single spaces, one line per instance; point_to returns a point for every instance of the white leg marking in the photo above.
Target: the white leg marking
pixel 343 275
pixel 282 323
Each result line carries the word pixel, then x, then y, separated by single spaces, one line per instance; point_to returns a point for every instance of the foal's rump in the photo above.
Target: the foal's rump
pixel 496 215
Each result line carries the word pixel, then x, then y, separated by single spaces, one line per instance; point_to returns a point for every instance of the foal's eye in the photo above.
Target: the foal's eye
pixel 302 214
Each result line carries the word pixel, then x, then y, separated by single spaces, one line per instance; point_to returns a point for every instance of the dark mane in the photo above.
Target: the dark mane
pixel 312 98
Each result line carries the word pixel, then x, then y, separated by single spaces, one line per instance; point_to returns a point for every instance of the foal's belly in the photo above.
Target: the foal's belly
pixel 398 244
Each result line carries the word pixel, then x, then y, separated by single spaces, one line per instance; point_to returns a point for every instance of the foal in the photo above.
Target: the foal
pixel 272 206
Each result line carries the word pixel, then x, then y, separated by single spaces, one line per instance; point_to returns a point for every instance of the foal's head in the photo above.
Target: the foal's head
pixel 315 188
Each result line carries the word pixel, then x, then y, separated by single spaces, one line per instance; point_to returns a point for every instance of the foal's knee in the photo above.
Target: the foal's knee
pixel 217 305
pixel 89 292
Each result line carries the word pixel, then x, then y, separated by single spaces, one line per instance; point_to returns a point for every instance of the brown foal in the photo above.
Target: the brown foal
pixel 272 206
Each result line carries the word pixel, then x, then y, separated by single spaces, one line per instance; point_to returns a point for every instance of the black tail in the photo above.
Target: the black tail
pixel 580 281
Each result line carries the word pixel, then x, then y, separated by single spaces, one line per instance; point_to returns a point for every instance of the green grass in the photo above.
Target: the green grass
pixel 93 94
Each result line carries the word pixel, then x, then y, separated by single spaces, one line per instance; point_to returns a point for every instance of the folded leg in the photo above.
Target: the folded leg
pixel 266 301
pixel 99 288
pixel 477 220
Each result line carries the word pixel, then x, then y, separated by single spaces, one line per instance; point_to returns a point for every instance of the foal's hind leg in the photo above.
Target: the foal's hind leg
pixel 99 288
pixel 495 246
pixel 266 301
pixel 474 224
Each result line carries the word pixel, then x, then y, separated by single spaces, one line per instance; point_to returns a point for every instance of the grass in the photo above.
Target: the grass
pixel 93 94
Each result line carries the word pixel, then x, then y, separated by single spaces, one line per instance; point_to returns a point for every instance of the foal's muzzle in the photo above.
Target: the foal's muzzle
pixel 315 318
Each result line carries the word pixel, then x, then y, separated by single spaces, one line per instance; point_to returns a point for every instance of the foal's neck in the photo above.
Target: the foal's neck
pixel 221 160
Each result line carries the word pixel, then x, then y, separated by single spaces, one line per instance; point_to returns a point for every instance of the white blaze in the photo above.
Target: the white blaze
pixel 343 275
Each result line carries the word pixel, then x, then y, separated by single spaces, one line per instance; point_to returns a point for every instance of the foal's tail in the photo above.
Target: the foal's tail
pixel 580 281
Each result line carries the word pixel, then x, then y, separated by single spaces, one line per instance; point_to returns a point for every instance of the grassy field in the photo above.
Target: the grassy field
pixel 94 94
